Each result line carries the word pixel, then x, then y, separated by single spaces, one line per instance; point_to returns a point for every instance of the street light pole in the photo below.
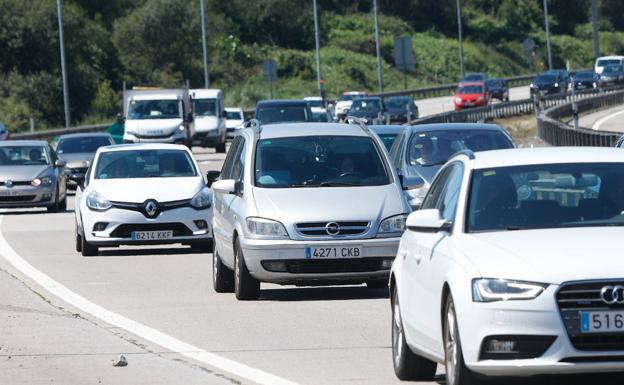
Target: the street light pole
pixel 204 46
pixel 547 34
pixel 59 12
pixel 378 49
pixel 318 50
pixel 461 40
pixel 594 10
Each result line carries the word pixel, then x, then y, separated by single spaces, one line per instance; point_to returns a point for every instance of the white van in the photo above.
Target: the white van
pixel 603 61
pixel 209 116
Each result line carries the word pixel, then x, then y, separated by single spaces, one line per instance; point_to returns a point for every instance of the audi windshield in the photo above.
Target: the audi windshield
pixel 546 196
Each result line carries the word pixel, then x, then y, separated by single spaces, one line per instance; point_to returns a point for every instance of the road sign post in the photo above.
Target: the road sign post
pixel 269 67
pixel 403 56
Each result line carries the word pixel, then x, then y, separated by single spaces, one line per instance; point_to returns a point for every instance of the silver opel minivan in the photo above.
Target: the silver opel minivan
pixel 305 204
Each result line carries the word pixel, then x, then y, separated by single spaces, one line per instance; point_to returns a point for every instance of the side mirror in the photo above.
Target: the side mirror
pixel 427 221
pixel 78 178
pixel 60 163
pixel 120 118
pixel 223 114
pixel 411 182
pixel 226 186
pixel 211 177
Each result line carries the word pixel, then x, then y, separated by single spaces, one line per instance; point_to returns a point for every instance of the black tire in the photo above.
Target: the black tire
pixel 222 277
pixel 88 250
pixel 377 283
pixel 407 365
pixel 78 240
pixel 456 371
pixel 54 207
pixel 246 287
pixel 220 148
pixel 62 206
pixel 204 246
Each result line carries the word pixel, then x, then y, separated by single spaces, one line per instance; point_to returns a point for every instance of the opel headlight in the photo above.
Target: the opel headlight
pixel 95 201
pixel 265 228
pixel 202 200
pixel 491 290
pixel 393 225
pixel 44 181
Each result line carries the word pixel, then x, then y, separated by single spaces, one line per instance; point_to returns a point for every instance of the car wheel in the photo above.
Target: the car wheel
pixel 62 206
pixel 222 277
pixel 407 365
pixel 78 240
pixel 54 207
pixel 88 250
pixel 220 148
pixel 456 371
pixel 377 283
pixel 246 287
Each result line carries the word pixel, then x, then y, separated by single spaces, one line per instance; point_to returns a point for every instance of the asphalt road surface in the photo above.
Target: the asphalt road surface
pixel 611 119
pixel 66 319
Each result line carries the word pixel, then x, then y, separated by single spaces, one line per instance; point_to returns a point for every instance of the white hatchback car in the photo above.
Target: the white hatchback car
pixel 511 267
pixel 141 194
pixel 306 204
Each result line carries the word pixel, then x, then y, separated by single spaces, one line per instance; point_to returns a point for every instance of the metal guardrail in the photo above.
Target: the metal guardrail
pixel 50 134
pixel 558 133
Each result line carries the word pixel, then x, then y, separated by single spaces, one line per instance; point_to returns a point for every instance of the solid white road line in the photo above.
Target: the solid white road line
pixel 143 331
pixel 600 122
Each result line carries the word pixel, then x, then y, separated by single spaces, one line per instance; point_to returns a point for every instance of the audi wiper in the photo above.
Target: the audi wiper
pixel 337 184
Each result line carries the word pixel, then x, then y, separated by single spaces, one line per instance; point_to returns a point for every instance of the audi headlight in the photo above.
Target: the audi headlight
pixel 265 228
pixel 491 290
pixel 43 181
pixel 392 225
pixel 202 200
pixel 95 201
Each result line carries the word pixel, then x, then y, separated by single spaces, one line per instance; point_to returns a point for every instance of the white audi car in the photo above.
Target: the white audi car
pixel 140 194
pixel 512 267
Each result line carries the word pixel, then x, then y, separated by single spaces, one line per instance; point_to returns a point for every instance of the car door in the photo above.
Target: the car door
pixel 427 257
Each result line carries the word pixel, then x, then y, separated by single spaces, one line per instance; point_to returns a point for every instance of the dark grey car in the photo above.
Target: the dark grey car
pixel 77 150
pixel 31 176
pixel 420 151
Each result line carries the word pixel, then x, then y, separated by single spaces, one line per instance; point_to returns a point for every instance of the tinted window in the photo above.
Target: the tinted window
pixel 547 196
pixel 470 90
pixel 88 144
pixel 398 103
pixel 234 115
pixel 366 105
pixel 144 164
pixel 546 78
pixel 435 193
pixel 205 107
pixel 155 109
pixel 448 203
pixel 238 165
pixel 315 103
pixel 604 62
pixel 282 114
pixel 436 147
pixel 23 156
pixel 319 161
pixel 585 75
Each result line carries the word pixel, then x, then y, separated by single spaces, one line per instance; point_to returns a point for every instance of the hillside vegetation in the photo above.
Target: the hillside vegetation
pixel 158 42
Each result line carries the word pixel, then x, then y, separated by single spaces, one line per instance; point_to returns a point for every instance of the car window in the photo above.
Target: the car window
pixel 155 109
pixel 282 114
pixel 205 107
pixel 24 155
pixel 85 144
pixel 238 165
pixel 448 202
pixel 470 90
pixel 397 150
pixel 234 115
pixel 437 189
pixel 130 164
pixel 319 161
pixel 226 170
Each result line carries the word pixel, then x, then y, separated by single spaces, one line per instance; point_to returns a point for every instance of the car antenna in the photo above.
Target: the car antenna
pixel 359 121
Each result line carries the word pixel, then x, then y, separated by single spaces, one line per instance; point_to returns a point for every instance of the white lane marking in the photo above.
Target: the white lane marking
pixel 150 334
pixel 601 121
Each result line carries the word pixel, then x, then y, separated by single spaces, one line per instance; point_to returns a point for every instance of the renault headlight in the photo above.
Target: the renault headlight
pixel 43 181
pixel 491 290
pixel 265 228
pixel 393 225
pixel 202 200
pixel 97 202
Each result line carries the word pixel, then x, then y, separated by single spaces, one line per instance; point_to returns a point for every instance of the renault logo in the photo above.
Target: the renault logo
pixel 332 228
pixel 612 295
pixel 151 208
pixel 9 183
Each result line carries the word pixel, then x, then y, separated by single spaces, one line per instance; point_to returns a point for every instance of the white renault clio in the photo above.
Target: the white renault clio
pixel 512 267
pixel 140 194
pixel 306 204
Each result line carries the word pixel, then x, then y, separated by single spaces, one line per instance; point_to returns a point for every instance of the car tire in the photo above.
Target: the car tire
pixel 220 148
pixel 204 246
pixel 222 277
pixel 456 371
pixel 54 207
pixel 377 283
pixel 78 240
pixel 407 365
pixel 62 206
pixel 246 287
pixel 87 249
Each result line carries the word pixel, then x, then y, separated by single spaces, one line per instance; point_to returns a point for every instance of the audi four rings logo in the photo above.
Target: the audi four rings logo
pixel 332 228
pixel 612 294
pixel 151 208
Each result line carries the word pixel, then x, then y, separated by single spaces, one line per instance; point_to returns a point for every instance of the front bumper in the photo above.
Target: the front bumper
pixel 470 104
pixel 294 252
pixel 121 222
pixel 539 317
pixel 177 136
pixel 26 196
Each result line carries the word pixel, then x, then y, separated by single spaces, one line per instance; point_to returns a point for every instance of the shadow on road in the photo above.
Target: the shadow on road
pixel 582 379
pixel 147 252
pixel 323 293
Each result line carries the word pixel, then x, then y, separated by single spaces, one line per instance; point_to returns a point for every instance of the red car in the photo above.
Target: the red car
pixel 471 94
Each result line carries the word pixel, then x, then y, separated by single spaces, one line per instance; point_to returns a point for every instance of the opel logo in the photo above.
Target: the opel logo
pixel 9 183
pixel 151 208
pixel 612 295
pixel 332 228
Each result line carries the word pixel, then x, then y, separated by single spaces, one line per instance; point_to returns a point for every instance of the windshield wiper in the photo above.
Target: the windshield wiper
pixel 337 184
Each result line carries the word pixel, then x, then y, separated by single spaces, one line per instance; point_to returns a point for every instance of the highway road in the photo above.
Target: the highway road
pixel 605 120
pixel 67 318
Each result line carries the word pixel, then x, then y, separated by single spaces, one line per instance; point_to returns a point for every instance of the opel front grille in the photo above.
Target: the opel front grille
pixel 332 229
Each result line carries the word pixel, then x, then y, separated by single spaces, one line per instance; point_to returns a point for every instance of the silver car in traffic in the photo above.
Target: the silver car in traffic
pixel 305 204
pixel 31 176
pixel 78 150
